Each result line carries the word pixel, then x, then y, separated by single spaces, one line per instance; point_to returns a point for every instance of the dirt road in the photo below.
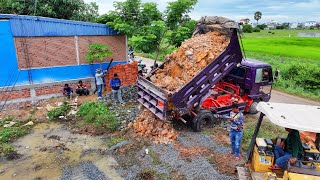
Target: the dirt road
pixel 276 96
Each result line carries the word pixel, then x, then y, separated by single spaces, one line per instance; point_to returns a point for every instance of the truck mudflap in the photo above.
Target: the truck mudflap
pixel 200 85
pixel 153 98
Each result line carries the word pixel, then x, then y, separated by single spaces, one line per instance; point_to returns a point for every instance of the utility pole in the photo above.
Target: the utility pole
pixel 35 7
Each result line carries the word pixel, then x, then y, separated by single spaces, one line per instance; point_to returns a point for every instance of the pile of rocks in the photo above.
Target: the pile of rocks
pixel 148 125
pixel 129 94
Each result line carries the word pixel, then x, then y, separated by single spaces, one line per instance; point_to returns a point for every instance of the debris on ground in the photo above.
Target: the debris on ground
pixel 148 125
pixel 30 123
pixel 9 124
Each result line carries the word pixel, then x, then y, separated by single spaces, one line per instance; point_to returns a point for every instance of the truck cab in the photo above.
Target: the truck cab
pixel 255 80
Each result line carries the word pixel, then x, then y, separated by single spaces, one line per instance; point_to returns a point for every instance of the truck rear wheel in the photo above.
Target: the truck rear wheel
pixel 203 119
pixel 253 107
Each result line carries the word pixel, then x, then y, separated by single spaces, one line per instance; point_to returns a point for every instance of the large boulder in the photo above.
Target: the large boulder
pixel 215 23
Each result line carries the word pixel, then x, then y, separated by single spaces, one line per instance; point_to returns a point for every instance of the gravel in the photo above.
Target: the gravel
pixel 127 113
pixel 129 94
pixel 84 171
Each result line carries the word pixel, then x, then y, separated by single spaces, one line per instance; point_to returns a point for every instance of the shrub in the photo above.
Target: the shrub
pixel 97 113
pixel 59 111
pixel 247 28
pixel 256 29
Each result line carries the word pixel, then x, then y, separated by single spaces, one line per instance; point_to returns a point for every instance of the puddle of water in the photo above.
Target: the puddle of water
pixel 309 34
pixel 45 157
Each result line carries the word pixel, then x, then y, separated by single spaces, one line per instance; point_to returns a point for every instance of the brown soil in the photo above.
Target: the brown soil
pixel 193 55
pixel 148 125
pixel 225 164
pixel 192 151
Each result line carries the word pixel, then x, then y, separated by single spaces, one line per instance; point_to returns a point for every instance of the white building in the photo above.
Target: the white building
pixel 272 24
pixel 293 25
pixel 310 24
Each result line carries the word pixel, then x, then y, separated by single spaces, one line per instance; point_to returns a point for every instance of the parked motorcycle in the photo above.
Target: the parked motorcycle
pixel 142 67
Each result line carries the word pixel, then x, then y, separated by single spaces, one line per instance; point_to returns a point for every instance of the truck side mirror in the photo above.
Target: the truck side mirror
pixel 276 74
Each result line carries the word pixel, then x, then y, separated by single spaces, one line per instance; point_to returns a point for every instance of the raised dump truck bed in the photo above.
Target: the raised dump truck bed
pixel 164 104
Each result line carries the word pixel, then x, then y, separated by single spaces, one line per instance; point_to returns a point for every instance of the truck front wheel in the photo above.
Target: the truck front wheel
pixel 203 119
pixel 253 107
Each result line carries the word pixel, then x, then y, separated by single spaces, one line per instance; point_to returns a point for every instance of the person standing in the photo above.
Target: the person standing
pixel 99 82
pixel 236 130
pixel 115 84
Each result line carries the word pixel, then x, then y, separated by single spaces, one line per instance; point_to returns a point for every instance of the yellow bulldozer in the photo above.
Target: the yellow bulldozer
pixel 260 155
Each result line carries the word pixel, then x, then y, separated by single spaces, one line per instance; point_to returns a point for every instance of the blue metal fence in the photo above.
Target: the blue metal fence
pixel 23 26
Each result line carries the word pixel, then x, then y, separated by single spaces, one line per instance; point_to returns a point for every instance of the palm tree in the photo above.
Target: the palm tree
pixel 257 16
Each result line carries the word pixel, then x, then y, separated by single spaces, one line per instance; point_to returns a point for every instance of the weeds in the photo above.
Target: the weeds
pixel 155 157
pixel 115 140
pixel 11 134
pixel 59 111
pixel 97 113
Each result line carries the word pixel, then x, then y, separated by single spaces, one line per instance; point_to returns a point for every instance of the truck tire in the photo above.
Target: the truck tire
pixel 253 107
pixel 204 118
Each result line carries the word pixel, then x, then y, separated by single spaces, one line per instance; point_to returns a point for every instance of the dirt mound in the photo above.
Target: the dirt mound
pixel 148 125
pixel 193 55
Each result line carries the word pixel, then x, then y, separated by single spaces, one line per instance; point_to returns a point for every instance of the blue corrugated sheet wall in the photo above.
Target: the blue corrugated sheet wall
pixel 11 75
pixel 41 26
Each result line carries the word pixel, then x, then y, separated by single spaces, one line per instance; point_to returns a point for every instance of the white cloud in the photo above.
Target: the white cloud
pixel 281 11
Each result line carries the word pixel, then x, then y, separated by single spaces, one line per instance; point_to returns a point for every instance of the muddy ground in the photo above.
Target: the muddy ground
pixel 59 150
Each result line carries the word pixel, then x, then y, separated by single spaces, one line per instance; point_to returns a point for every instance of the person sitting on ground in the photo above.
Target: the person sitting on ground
pixel 115 84
pixel 82 89
pixel 67 91
pixel 236 129
pixel 290 149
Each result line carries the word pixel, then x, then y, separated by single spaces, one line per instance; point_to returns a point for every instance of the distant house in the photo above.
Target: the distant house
pixel 310 24
pixel 272 24
pixel 293 25
pixel 244 21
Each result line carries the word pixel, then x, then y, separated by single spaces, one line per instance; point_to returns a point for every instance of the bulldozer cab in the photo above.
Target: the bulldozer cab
pixel 260 155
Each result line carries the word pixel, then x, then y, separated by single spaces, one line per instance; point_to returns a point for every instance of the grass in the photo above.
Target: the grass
pixel 115 140
pixel 267 130
pixel 97 114
pixel 277 33
pixel 10 134
pixel 59 111
pixel 298 59
pixel 307 48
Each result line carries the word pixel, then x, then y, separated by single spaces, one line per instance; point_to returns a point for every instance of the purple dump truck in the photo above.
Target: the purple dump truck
pixel 227 77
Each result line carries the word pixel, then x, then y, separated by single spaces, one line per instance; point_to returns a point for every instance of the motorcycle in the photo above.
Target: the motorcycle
pixel 142 67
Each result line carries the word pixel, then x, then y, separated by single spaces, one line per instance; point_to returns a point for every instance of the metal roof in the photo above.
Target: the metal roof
pixel 22 25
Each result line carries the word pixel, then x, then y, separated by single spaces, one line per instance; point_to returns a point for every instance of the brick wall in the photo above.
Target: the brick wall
pixel 127 73
pixel 116 43
pixel 57 88
pixel 14 94
pixel 45 51
pixel 61 51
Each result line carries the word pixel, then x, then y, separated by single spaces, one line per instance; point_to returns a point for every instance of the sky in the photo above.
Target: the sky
pixel 277 10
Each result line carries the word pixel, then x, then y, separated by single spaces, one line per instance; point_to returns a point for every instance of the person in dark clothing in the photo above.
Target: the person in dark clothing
pixel 67 91
pixel 82 89
pixel 115 84
pixel 291 150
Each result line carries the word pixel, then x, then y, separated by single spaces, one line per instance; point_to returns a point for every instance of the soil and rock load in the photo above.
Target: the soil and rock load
pixel 194 54
pixel 148 125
